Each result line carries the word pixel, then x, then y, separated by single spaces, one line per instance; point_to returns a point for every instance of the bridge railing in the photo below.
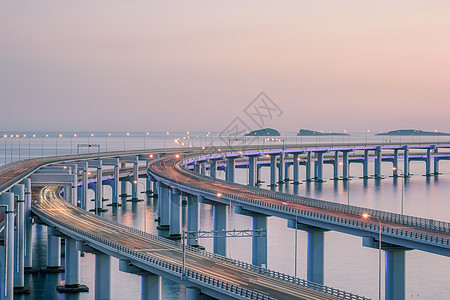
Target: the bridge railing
pixel 352 210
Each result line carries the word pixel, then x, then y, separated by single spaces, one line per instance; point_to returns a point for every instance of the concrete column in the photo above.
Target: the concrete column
pixel 134 184
pixel 19 280
pixel 123 184
pixel 84 186
pixel 259 244
pixel 395 274
pixel 366 164
pixel 99 188
pixel 378 162
pixel 336 166
pixel 319 174
pixel 148 185
pixel 197 167
pixel 296 168
pixel 70 191
pixel 72 259
pixel 164 208
pixel 213 168
pixel 102 276
pixel 192 293
pixel 230 169
pixel 273 165
pixel 308 165
pixel 175 214
pixel 345 175
pixel 115 192
pixel 151 287
pixel 252 170
pixel 28 226
pixel 281 169
pixel 315 255
pixel 193 216
pixel 258 173
pixel 7 256
pixel 428 163
pixel 406 161
pixel 220 223
pixel 395 164
pixel 286 172
pixel 436 165
pixel 53 250
pixel 203 168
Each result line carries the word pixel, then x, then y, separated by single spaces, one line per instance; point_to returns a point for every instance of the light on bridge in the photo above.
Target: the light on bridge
pixel 150 155
pixel 219 195
pixel 177 155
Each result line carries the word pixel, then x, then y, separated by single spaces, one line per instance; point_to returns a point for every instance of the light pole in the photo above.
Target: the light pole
pixel 5 136
pixel 74 135
pixel 107 136
pixel 404 177
pixel 367 216
pixel 167 133
pixel 146 134
pixel 89 142
pixel 18 136
pixel 29 145
pixel 42 144
pixel 124 142
pixel 295 247
pixel 59 136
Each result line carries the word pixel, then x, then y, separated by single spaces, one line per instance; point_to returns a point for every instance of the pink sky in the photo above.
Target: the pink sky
pixel 179 65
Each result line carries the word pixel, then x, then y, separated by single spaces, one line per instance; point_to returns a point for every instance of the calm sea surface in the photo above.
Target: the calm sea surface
pixel 348 265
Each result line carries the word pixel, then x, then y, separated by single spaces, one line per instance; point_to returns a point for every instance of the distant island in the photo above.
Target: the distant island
pixel 306 132
pixel 264 132
pixel 412 132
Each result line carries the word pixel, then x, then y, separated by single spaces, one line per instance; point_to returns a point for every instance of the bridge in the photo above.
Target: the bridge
pixel 170 179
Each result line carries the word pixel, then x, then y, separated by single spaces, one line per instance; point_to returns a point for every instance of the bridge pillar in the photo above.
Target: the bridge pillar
pixel 134 183
pixel 295 170
pixel 436 165
pixel 406 161
pixel 428 163
pixel 336 166
pixel 273 166
pixel 99 189
pixel 220 213
pixel 252 170
pixel 315 253
pixel 193 216
pixel 123 184
pixel 192 293
pixel 395 274
pixel 395 164
pixel 151 287
pixel 175 214
pixel 164 207
pixel 345 175
pixel 28 227
pixel 197 167
pixel 286 172
pixel 213 168
pixel 308 166
pixel 319 167
pixel 72 274
pixel 148 185
pixel 203 168
pixel 155 188
pixel 70 191
pixel 258 174
pixel 102 276
pixel 259 243
pixel 115 190
pixel 53 251
pixel 378 163
pixel 230 169
pixel 366 164
pixel 84 186
pixel 19 253
pixel 7 250
pixel 281 168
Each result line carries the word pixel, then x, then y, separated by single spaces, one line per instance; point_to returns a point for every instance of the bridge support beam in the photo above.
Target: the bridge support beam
pixel 345 173
pixel 366 164
pixel 134 184
pixel 308 166
pixel 395 164
pixel 123 185
pixel 336 166
pixel 102 276
pixel 258 174
pixel 230 169
pixel 155 188
pixel 19 254
pixel 72 274
pixel 7 250
pixel 28 254
pixel 281 168
pixel 175 214
pixel 319 167
pixel 84 186
pixel 213 168
pixel 406 161
pixel 99 189
pixel 151 286
pixel 197 167
pixel 220 213
pixel 53 252
pixel 273 166
pixel 193 216
pixel 192 293
pixel 295 170
pixel 115 190
pixel 252 165
pixel 395 274
pixel 315 255
pixel 163 206
pixel 436 165
pixel 378 162
pixel 428 163
pixel 259 243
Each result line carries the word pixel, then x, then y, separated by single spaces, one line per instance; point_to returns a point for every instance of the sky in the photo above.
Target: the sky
pixel 196 65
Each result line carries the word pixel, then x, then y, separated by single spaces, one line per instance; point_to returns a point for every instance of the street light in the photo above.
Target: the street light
pixel 42 144
pixel 124 143
pixel 402 174
pixel 5 136
pixel 367 216
pixel 146 134
pixel 167 133
pixel 59 136
pixel 74 135
pixel 108 135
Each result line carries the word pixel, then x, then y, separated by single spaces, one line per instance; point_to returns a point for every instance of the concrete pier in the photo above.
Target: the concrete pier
pixel 273 166
pixel 315 255
pixel 72 273
pixel 252 165
pixel 230 169
pixel 102 276
pixel 192 293
pixel 345 173
pixel 259 243
pixel 151 286
pixel 281 168
pixel 53 252
pixel 163 206
pixel 366 164
pixel 378 163
pixel 395 274
pixel 296 164
pixel 308 166
pixel 7 250
pixel 193 219
pixel 220 212
pixel 175 214
pixel 28 254
pixel 406 161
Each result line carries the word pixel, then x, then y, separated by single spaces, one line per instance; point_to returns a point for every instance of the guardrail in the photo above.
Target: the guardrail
pixel 429 224
pixel 195 275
